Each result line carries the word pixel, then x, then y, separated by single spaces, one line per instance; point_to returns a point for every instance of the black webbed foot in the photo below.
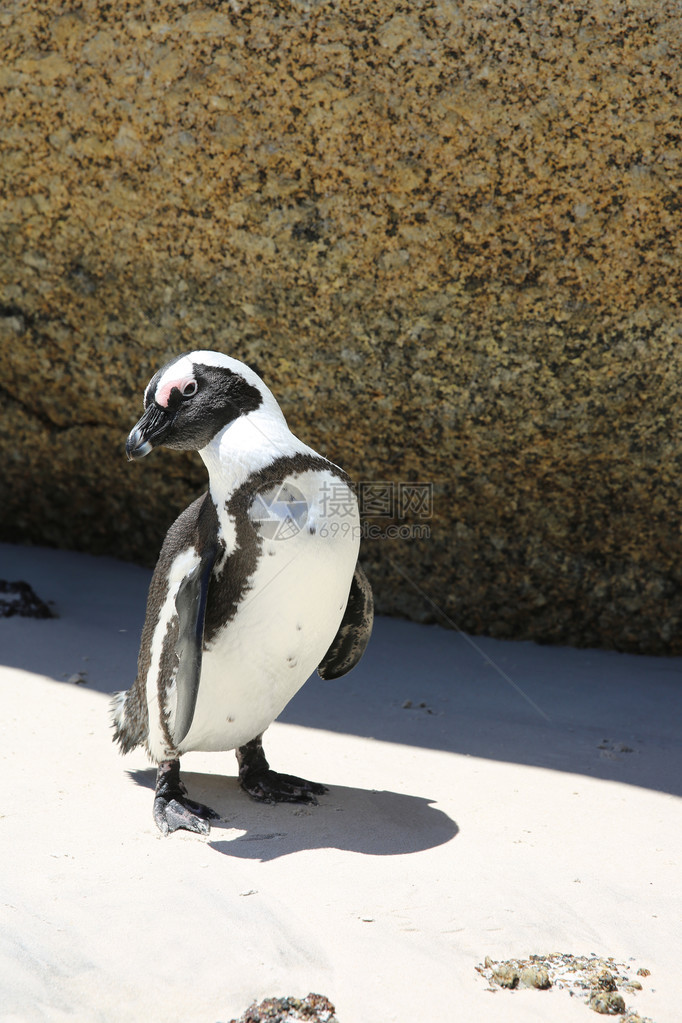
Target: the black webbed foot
pixel 173 809
pixel 271 787
pixel 266 785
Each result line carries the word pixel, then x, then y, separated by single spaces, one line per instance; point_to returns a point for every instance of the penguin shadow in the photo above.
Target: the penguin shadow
pixel 368 821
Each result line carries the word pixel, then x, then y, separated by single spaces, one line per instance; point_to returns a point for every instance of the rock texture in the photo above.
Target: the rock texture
pixel 313 1009
pixel 447 233
pixel 593 979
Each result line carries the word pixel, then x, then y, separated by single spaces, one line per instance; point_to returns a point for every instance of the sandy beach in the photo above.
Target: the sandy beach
pixel 486 798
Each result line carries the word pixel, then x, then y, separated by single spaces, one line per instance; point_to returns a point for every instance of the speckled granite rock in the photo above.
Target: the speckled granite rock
pixel 452 228
pixel 313 1009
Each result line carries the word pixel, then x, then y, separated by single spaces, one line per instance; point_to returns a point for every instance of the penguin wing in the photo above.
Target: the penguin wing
pixel 190 604
pixel 350 641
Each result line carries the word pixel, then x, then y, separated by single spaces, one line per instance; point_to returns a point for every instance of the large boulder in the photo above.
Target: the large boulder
pixel 447 234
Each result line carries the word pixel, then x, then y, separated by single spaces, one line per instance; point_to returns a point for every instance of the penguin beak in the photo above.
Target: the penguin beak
pixel 148 432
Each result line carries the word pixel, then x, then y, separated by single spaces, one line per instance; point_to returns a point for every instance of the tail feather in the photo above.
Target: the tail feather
pixel 129 720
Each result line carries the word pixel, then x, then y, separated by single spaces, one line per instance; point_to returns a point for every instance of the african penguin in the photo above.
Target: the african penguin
pixel 257 584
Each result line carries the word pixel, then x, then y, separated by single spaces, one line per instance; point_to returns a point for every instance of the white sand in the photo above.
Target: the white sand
pixel 478 829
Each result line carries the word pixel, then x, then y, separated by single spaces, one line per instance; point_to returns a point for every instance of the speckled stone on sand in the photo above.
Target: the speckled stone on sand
pixel 594 979
pixel 311 1009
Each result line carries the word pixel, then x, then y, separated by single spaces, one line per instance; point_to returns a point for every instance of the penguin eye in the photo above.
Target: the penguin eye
pixel 189 389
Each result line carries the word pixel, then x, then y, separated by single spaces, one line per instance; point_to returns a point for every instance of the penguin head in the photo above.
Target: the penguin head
pixel 191 399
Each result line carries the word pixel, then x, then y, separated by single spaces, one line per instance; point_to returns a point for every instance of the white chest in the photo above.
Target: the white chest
pixel 287 616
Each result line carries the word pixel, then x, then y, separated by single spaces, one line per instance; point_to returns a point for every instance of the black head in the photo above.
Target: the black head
pixel 191 399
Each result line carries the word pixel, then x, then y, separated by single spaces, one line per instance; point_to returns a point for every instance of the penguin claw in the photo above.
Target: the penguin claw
pixel 175 814
pixel 173 809
pixel 270 787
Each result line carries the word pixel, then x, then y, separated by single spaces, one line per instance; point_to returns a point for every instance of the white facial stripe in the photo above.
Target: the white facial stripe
pixel 163 393
pixel 182 371
pixel 208 358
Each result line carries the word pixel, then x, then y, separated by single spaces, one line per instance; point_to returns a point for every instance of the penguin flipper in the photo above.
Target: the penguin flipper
pixel 190 603
pixel 350 641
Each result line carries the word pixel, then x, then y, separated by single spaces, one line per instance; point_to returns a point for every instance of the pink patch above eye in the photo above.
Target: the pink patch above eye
pixel 162 396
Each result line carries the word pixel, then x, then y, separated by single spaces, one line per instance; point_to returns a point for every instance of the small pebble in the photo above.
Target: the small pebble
pixel 608 1003
pixel 605 981
pixel 506 976
pixel 313 1009
pixel 532 976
